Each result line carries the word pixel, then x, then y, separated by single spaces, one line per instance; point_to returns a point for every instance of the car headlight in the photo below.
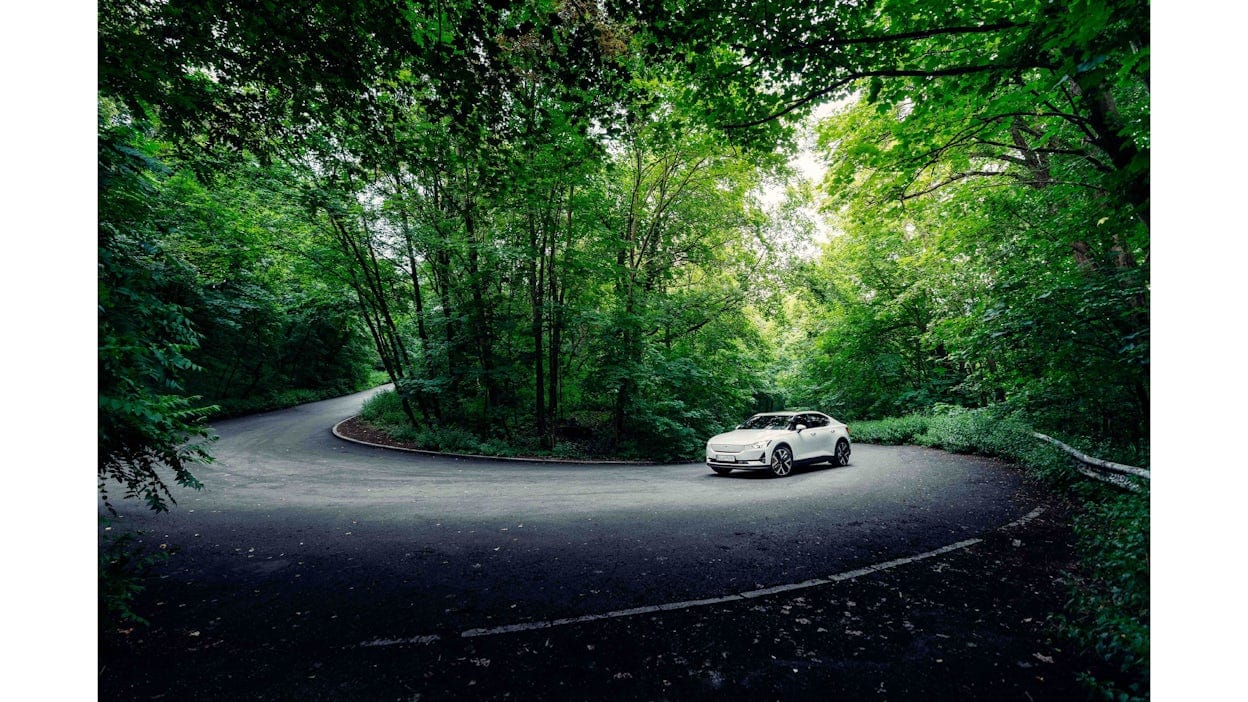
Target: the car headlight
pixel 761 444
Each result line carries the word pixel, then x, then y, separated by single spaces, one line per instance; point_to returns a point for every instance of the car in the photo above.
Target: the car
pixel 778 441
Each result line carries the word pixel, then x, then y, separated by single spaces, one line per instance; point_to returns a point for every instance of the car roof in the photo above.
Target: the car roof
pixel 785 413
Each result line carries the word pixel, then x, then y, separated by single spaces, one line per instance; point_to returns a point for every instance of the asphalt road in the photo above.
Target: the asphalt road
pixel 300 538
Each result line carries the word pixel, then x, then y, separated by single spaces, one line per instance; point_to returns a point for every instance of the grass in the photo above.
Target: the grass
pixel 1108 611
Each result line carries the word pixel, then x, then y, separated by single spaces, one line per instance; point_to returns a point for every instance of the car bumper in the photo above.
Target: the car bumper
pixel 743 461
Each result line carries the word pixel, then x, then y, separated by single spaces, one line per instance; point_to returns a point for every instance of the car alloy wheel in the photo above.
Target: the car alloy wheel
pixel 781 461
pixel 842 453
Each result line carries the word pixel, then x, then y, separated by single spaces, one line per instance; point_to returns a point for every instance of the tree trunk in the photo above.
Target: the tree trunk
pixel 537 285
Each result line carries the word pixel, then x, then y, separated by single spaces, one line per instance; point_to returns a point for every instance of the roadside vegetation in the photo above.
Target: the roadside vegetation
pixel 571 228
pixel 1107 614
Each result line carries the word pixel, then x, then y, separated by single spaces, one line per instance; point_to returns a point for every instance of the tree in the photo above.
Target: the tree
pixel 1029 119
pixel 1080 66
pixel 145 423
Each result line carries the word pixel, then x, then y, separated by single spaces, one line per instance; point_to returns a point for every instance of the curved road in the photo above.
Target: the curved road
pixel 301 537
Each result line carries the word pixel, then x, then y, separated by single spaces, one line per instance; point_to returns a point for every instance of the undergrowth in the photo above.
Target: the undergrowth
pixel 1107 615
pixel 281 399
pixel 384 411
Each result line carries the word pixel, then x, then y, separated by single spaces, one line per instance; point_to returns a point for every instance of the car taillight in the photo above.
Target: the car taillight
pixel 847 431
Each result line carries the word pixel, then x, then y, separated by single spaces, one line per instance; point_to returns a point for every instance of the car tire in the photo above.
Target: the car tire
pixel 721 471
pixel 781 461
pixel 841 457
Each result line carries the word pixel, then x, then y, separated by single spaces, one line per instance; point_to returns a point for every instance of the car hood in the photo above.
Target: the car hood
pixel 747 436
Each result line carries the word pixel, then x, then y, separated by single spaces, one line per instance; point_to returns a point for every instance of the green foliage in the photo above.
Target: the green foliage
pixel 992 431
pixel 890 431
pixel 276 326
pixel 123 565
pixel 146 424
pixel 539 215
pixel 1108 612
pixel 990 188
pixel 1109 608
pixel 972 294
pixel 384 409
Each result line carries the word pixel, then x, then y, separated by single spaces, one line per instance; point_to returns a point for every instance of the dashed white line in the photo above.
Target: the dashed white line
pixel 1024 519
pixel 396 642
pixel 689 604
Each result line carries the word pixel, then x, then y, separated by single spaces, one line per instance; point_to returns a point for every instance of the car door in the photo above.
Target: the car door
pixel 823 436
pixel 806 442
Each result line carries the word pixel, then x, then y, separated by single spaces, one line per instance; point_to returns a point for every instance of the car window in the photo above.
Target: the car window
pixel 817 420
pixel 767 421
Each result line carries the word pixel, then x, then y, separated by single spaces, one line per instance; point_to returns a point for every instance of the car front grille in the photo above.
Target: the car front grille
pixel 729 448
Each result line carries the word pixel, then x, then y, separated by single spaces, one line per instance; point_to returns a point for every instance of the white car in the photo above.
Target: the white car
pixel 777 441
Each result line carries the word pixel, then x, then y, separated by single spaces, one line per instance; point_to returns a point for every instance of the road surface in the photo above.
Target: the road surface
pixel 301 541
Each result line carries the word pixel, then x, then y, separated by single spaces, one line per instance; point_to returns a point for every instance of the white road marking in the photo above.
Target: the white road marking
pixel 395 642
pixel 1024 519
pixel 689 604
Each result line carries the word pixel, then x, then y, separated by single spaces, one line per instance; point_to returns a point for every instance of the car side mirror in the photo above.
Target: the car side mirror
pixel 799 428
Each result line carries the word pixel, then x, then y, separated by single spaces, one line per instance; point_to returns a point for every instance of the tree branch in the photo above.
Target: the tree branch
pixel 884 73
pixel 909 36
pixel 957 177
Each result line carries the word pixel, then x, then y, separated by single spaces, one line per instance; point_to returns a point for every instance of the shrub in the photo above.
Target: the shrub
pixel 384 409
pixel 987 431
pixel 569 449
pixel 895 430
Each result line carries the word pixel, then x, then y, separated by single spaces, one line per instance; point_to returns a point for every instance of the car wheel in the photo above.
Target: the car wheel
pixel 841 458
pixel 781 461
pixel 721 471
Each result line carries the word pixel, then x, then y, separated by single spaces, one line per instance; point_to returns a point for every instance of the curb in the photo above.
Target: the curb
pixel 512 459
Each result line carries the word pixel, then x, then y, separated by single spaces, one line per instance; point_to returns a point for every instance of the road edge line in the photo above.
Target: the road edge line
pixel 690 604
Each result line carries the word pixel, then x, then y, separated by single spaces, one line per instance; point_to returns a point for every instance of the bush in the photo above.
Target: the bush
pixel 893 431
pixel 988 431
pixel 450 439
pixel 384 409
pixel 569 449
pixel 1108 612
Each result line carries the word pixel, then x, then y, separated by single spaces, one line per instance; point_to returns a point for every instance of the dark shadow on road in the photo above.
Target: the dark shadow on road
pixel 766 475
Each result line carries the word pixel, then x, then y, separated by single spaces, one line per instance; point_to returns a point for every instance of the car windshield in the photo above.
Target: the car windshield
pixel 767 421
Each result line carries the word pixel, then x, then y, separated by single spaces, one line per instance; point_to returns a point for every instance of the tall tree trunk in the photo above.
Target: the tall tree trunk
pixel 482 328
pixel 557 291
pixel 537 285
pixel 371 295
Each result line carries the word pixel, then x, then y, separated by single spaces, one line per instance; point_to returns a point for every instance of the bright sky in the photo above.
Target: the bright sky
pixel 809 165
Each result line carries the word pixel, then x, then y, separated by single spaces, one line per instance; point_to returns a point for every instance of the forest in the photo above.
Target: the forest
pixel 560 218
pixel 578 228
